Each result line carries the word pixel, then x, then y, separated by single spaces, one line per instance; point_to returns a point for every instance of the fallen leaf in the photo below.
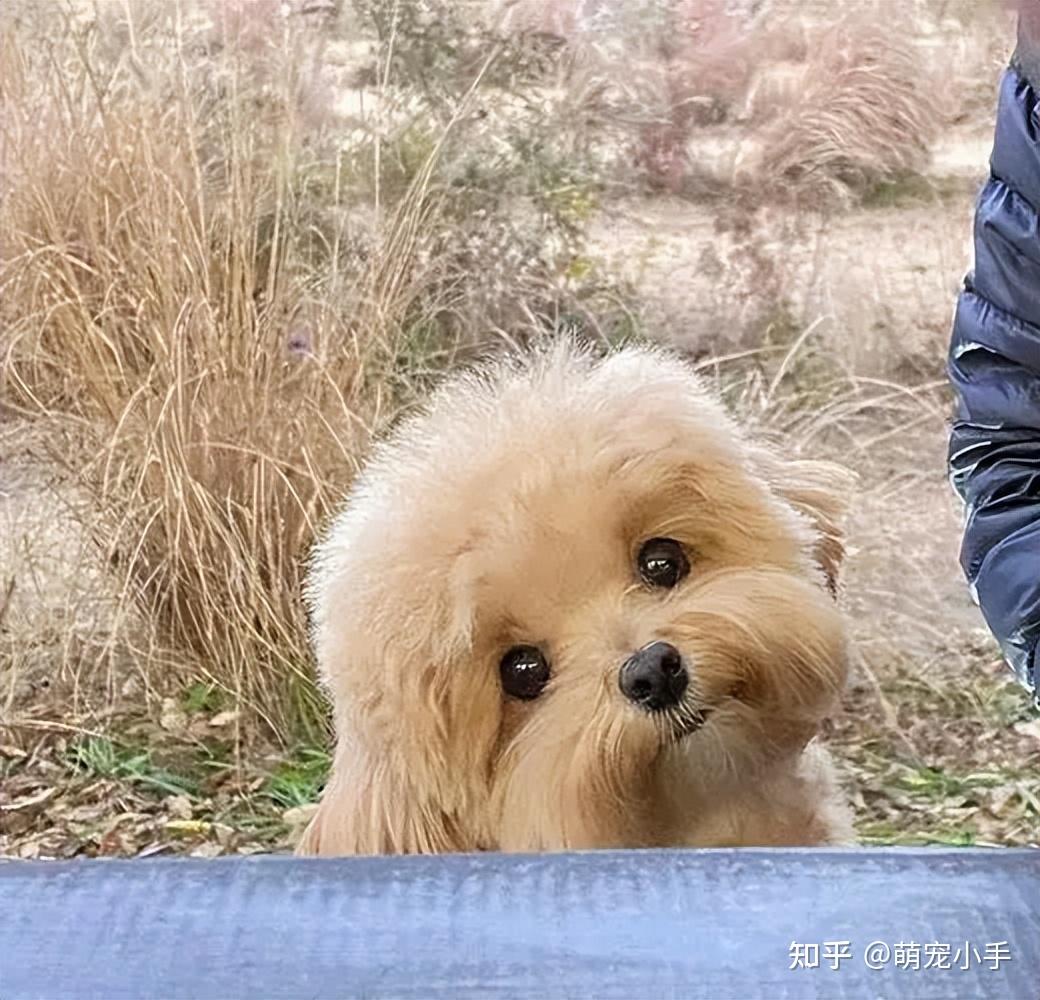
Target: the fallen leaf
pixel 113 843
pixel 999 798
pixel 187 827
pixel 172 717
pixel 299 815
pixel 208 850
pixel 179 807
pixel 89 813
pixel 131 688
pixel 28 801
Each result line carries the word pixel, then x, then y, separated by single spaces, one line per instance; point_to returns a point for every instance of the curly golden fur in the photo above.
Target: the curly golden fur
pixel 510 512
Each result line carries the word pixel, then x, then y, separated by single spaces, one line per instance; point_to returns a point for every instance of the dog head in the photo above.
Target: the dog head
pixel 566 585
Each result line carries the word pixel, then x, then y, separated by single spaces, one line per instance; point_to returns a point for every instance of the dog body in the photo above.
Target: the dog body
pixel 570 606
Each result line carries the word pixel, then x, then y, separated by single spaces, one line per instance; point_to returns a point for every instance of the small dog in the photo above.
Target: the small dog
pixel 569 606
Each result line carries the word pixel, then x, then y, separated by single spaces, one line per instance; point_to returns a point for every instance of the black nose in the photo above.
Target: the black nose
pixel 654 678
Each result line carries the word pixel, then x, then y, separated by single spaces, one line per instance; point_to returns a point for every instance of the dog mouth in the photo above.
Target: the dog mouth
pixel 685 720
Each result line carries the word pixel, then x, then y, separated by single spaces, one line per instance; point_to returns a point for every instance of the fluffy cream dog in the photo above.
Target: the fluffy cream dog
pixel 570 606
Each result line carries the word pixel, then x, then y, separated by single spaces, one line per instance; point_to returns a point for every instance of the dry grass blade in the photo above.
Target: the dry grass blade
pixel 5 600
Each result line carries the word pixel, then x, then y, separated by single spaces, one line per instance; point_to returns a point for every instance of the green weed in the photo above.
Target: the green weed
pixel 99 756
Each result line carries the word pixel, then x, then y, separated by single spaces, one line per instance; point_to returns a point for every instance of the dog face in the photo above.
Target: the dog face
pixel 564 598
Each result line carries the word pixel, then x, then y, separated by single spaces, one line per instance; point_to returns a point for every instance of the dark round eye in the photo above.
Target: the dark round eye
pixel 524 671
pixel 662 563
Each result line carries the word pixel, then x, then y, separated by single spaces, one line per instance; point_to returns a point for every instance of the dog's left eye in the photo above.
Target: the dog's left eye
pixel 662 563
pixel 524 671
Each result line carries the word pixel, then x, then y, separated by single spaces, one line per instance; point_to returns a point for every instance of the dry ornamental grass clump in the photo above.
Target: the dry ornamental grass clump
pixel 211 296
pixel 153 261
pixel 865 111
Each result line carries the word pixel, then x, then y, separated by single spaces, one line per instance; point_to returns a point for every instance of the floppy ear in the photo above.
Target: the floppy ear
pixel 416 719
pixel 822 491
pixel 408 771
pixel 409 774
pixel 368 809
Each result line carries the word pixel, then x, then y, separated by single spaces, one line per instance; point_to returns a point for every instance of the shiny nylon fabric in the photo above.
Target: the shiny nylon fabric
pixel 994 367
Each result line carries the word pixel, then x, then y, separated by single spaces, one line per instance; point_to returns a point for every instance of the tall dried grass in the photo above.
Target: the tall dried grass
pixel 156 256
pixel 211 306
pixel 866 110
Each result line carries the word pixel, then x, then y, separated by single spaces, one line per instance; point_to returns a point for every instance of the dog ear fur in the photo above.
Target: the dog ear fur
pixel 368 809
pixel 822 492
pixel 407 775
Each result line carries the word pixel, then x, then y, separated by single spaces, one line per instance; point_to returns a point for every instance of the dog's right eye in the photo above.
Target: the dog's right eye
pixel 662 563
pixel 524 671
